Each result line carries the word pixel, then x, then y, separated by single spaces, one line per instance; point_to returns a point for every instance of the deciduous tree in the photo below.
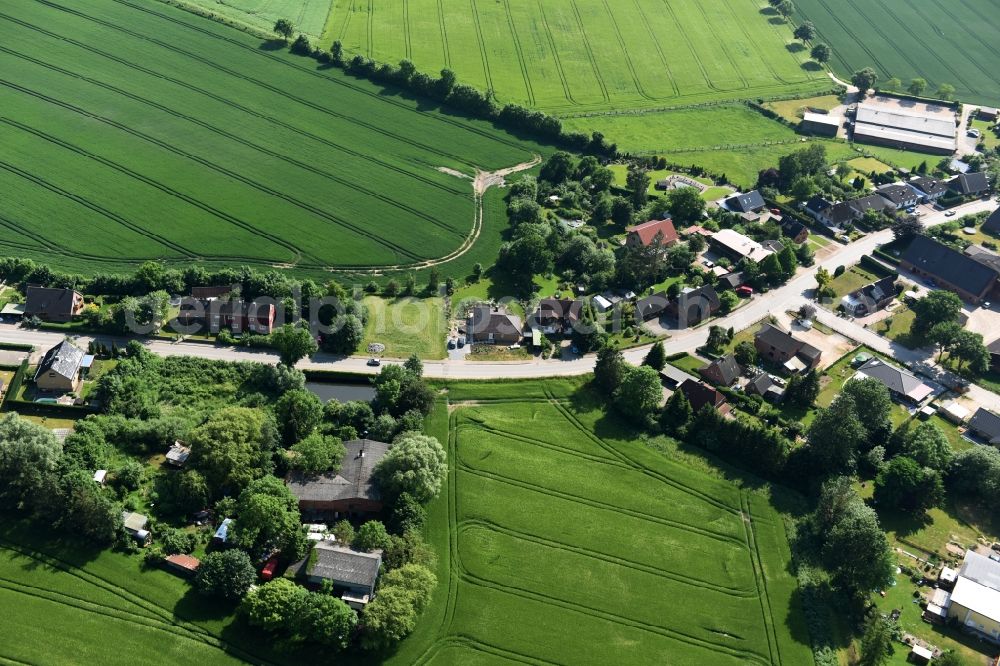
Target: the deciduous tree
pixel 416 464
pixel 227 574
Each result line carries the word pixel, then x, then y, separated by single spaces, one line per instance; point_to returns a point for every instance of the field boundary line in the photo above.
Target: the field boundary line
pixel 406 29
pixel 312 72
pixel 692 581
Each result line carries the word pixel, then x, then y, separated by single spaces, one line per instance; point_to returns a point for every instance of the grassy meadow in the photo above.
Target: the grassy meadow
pixel 573 55
pixel 549 540
pixel 135 130
pixel 308 16
pixel 937 40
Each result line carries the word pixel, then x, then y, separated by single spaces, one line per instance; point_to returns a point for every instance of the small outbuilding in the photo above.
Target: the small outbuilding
pixel 221 536
pixel 136 525
pixel 183 564
pixel 178 454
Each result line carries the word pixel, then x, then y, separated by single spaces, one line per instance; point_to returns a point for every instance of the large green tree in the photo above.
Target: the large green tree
pixel 836 435
pixel 872 404
pixel 927 445
pixel 293 343
pixel 298 413
pixel 416 464
pixel 876 643
pixel 856 550
pixel 227 574
pixel 903 484
pixel 268 519
pixel 317 453
pixel 29 455
pixel 232 447
pixel 937 307
pixel 640 392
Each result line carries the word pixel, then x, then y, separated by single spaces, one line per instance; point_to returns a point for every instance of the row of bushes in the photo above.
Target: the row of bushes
pixel 871 264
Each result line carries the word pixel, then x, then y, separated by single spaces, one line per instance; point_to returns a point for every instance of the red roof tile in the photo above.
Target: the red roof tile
pixel 648 231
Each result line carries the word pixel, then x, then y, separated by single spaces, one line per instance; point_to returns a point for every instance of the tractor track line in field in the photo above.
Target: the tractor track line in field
pixel 453 572
pixel 624 47
pixel 567 92
pixel 126 595
pixel 589 51
pixel 103 609
pixel 444 33
pixel 348 13
pixel 520 54
pixel 750 41
pixel 41 182
pixel 724 49
pixel 313 72
pixel 406 29
pixel 565 450
pixel 283 93
pixel 369 33
pixel 860 43
pixel 618 510
pixel 152 182
pixel 49 246
pixel 959 47
pixel 201 91
pixel 237 139
pixel 663 478
pixel 656 43
pixel 906 28
pixel 691 581
pixel 483 181
pixel 687 41
pixel 583 609
pixel 477 645
pixel 760 582
pixel 482 46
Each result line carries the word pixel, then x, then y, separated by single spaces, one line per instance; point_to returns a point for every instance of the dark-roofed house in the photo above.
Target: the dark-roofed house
pixel 870 298
pixel 749 202
pixel 208 293
pixel 970 184
pixel 779 347
pixel 765 387
pixel 984 256
pixel 838 215
pixel 693 305
pixel 556 316
pixel 699 395
pixel 645 234
pixel 487 325
pixel 722 371
pixel 51 304
pixel 350 492
pixel 992 223
pixel 732 280
pixel 652 306
pixel 900 196
pixel 952 270
pixel 928 189
pixel 353 573
pixel 816 206
pixel 870 202
pixel 672 377
pixel 238 316
pixel 60 368
pixel 994 350
pixel 985 425
pixel 902 385
pixel 794 229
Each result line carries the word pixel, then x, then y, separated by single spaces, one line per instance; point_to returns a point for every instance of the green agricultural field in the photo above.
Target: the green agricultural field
pixel 308 16
pixel 567 56
pixel 942 41
pixel 723 126
pixel 564 527
pixel 135 130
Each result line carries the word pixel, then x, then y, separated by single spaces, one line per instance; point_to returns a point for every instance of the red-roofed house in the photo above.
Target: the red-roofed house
pixel 644 234
pixel 181 563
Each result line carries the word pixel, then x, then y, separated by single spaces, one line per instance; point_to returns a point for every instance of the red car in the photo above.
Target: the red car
pixel 267 573
pixel 744 291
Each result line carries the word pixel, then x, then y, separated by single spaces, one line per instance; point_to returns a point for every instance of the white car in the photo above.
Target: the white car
pixel 950 213
pixel 974 133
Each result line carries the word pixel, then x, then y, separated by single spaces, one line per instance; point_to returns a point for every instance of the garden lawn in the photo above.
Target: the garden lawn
pixel 170 137
pixel 850 280
pixel 792 109
pixel 866 165
pixel 564 527
pixel 406 326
